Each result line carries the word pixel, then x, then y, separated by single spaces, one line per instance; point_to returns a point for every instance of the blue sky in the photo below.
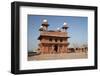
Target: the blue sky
pixel 78 28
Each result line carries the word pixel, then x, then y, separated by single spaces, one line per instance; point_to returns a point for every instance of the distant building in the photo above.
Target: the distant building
pixel 53 41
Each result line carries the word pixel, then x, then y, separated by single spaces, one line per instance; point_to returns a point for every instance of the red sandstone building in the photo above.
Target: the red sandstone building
pixel 53 41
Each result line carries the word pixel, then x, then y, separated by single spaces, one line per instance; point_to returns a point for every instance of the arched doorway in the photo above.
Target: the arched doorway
pixel 56 48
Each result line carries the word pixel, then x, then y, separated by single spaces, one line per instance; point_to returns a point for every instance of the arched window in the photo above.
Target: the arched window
pixel 55 40
pixel 50 39
pixel 61 40
pixel 40 39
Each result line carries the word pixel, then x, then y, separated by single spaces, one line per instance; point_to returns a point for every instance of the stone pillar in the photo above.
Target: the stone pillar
pixel 52 48
pixel 63 49
pixel 46 49
pixel 58 49
pixel 42 49
pixel 49 49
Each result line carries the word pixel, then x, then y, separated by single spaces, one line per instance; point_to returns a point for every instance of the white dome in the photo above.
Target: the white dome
pixel 65 23
pixel 45 20
pixel 58 28
pixel 41 26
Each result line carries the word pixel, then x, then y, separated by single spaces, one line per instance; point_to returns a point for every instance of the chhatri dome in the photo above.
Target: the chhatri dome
pixel 45 21
pixel 44 26
pixel 58 28
pixel 41 28
pixel 65 24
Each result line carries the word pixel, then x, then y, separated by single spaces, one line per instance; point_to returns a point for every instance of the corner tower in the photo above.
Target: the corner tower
pixel 44 26
pixel 65 27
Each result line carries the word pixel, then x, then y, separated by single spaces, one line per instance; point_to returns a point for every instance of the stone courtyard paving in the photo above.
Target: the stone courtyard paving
pixel 58 56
